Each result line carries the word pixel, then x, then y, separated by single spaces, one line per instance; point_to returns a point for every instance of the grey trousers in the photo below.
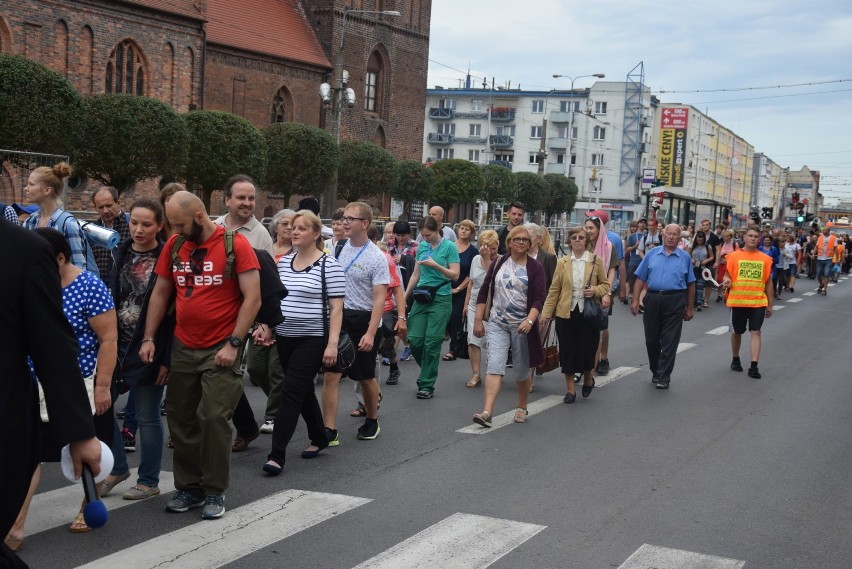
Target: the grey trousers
pixel 663 320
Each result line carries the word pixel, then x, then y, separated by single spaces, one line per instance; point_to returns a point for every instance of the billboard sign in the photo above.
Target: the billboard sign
pixel 674 122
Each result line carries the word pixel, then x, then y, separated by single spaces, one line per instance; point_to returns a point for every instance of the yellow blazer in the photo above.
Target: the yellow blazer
pixel 560 293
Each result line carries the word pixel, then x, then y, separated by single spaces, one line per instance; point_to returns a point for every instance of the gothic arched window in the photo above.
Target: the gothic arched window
pixel 125 70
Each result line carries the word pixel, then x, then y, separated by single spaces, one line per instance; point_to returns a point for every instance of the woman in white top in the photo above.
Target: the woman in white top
pixel 791 253
pixel 488 241
pixel 579 276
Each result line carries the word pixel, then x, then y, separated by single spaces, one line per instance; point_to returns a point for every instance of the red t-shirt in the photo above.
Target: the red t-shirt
pixel 207 302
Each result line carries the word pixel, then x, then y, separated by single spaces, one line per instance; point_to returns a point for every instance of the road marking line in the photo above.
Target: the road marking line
pixel 614 375
pixel 793 300
pixel 667 558
pixel 831 284
pixel 58 507
pixel 498 421
pixel 461 541
pixel 244 530
pixel 809 293
pixel 718 331
pixel 683 346
pixel 775 308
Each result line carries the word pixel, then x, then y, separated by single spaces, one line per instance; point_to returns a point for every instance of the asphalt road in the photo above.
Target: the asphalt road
pixel 719 471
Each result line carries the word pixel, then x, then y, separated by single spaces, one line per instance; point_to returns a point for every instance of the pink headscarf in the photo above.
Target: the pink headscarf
pixel 603 248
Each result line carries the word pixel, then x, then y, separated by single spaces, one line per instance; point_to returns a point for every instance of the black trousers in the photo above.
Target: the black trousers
pixel 663 320
pixel 455 325
pixel 243 418
pixel 301 358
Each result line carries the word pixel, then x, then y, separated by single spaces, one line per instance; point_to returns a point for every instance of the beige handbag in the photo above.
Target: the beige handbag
pixel 90 391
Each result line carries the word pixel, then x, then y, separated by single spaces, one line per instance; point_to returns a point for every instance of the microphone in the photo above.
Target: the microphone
pixel 94 512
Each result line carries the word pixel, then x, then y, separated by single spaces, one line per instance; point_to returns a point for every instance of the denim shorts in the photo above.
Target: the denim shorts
pixel 823 267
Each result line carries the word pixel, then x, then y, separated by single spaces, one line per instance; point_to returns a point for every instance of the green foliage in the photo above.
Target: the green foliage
pixel 456 181
pixel 40 111
pixel 498 185
pixel 366 169
pixel 413 183
pixel 126 139
pixel 221 145
pixel 302 159
pixel 561 195
pixel 530 190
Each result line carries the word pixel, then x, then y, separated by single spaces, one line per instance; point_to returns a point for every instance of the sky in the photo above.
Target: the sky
pixel 727 51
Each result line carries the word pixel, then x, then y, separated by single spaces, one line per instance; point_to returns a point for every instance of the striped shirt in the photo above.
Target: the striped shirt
pixel 303 308
pixel 72 231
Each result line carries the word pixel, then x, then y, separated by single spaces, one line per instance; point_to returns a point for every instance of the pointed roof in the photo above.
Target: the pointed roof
pixel 278 28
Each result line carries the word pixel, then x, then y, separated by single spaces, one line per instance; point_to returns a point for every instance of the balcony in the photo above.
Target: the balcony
pixel 557 143
pixel 560 117
pixel 501 141
pixel 472 115
pixel 441 113
pixel 439 138
pixel 502 114
pixel 470 139
pixel 504 163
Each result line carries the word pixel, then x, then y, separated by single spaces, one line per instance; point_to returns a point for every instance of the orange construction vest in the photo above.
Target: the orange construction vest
pixel 749 272
pixel 832 244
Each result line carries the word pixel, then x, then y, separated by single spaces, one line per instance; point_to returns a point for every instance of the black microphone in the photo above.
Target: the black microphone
pixel 95 512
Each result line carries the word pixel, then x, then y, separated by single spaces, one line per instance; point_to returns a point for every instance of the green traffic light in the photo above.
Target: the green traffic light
pixel 800 219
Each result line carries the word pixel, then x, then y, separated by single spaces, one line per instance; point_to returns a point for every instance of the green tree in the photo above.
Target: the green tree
pixel 126 139
pixel 40 111
pixel 530 190
pixel 456 182
pixel 561 195
pixel 413 183
pixel 365 170
pixel 221 145
pixel 498 185
pixel 302 159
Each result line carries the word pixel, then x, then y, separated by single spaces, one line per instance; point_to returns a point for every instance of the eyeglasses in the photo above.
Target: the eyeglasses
pixel 520 240
pixel 348 219
pixel 196 260
pixel 578 238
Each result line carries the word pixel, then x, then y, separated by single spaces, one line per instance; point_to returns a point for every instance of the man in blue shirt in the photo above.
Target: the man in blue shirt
pixel 671 294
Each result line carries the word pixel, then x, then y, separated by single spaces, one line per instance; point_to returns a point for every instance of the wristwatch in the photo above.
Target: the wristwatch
pixel 530 321
pixel 234 341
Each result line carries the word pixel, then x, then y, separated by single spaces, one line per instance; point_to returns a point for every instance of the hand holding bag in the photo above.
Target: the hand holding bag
pixel 551 350
pixel 345 348
pixel 593 313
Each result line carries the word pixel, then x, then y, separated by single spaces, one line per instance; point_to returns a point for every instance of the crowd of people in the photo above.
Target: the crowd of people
pixel 169 315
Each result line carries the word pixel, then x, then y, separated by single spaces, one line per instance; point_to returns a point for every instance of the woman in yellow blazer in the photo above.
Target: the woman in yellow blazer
pixel 578 341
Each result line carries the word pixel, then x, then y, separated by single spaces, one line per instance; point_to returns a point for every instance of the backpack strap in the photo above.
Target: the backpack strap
pixel 229 254
pixel 178 243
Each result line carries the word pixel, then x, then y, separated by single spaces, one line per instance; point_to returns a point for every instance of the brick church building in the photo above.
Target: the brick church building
pixel 263 60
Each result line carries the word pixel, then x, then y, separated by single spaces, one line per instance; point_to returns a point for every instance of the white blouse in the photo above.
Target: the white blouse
pixel 578 279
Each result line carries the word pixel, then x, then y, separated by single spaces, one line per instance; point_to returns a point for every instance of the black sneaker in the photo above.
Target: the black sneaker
pixel 603 367
pixel 753 372
pixel 424 394
pixel 393 377
pixel 183 500
pixel 736 365
pixel 662 385
pixel 214 507
pixel 369 430
pixel 331 435
pixel 509 360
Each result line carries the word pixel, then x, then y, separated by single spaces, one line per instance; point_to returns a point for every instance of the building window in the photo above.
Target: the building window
pixel 538 105
pixel 476 105
pixel 566 106
pixel 599 133
pixel 562 132
pixel 447 128
pixel 573 159
pixel 535 132
pixel 372 83
pixel 125 70
pixel 445 153
pixel 535 158
pixel 473 155
pixel 504 157
pixel 560 159
pixel 279 106
pixel 506 130
pixel 574 131
pixel 597 159
pixel 447 104
pixel 600 107
pixel 476 130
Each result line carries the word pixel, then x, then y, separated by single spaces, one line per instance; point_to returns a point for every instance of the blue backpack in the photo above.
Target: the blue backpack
pixel 91 265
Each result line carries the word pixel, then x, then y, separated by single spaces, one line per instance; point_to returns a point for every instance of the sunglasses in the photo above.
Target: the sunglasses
pixel 520 240
pixel 593 218
pixel 578 238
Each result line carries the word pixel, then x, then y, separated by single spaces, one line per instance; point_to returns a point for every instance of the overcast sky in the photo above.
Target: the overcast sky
pixel 685 46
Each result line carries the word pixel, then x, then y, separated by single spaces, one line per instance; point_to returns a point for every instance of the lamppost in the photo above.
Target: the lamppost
pixel 571 117
pixel 336 95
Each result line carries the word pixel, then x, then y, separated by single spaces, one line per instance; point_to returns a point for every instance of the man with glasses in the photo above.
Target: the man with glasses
pixel 240 198
pixel 105 201
pixel 367 279
pixel 216 305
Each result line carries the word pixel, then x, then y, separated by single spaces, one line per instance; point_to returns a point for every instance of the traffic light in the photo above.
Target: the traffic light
pixel 795 198
pixel 800 219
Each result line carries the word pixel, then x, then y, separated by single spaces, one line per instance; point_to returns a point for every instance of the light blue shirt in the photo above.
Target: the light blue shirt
pixel 666 271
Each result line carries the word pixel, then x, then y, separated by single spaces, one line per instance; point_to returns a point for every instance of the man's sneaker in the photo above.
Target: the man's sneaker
pixel 662 385
pixel 214 506
pixel 129 440
pixel 369 430
pixel 385 361
pixel 425 394
pixel 603 367
pixel 393 377
pixel 509 360
pixel 267 427
pixel 753 372
pixel 163 408
pixel 736 365
pixel 331 435
pixel 406 354
pixel 183 500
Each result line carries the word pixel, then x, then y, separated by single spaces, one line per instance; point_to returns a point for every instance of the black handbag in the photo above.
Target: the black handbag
pixel 426 294
pixel 460 349
pixel 593 313
pixel 345 348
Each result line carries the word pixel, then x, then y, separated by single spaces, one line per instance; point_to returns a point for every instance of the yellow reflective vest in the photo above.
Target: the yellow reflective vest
pixel 749 272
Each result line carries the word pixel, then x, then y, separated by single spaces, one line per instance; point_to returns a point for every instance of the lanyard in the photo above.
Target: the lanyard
pixel 361 250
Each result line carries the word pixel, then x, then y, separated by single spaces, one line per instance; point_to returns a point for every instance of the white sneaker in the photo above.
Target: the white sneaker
pixel 267 427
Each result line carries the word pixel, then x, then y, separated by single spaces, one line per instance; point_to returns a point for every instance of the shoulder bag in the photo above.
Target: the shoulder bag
pixel 551 351
pixel 90 392
pixel 345 348
pixel 593 313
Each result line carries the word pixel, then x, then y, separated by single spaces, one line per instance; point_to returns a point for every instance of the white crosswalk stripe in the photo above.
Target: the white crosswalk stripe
pixel 776 308
pixel 793 300
pixel 811 293
pixel 244 530
pixel 614 375
pixel 718 331
pixel 683 346
pixel 58 507
pixel 504 419
pixel 657 557
pixel 461 541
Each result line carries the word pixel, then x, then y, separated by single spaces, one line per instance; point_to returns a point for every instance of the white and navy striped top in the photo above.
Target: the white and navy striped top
pixel 303 308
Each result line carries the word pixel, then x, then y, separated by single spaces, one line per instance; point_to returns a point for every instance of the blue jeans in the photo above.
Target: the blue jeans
pixel 130 422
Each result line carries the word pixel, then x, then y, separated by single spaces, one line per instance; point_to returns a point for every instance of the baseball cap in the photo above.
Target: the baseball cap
pixel 600 214
pixel 19 209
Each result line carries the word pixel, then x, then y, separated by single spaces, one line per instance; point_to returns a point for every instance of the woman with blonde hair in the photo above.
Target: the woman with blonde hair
pixel 478 268
pixel 580 277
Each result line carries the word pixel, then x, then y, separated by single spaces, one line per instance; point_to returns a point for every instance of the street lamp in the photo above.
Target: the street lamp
pixel 337 95
pixel 571 117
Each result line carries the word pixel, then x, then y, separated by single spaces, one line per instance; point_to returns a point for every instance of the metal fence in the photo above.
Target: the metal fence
pixel 16 169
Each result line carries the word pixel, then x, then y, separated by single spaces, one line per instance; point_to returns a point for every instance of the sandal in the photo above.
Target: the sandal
pixel 359 411
pixel 483 419
pixel 13 543
pixel 520 415
pixel 111 482
pixel 79 524
pixel 475 381
pixel 449 357
pixel 140 492
pixel 705 305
